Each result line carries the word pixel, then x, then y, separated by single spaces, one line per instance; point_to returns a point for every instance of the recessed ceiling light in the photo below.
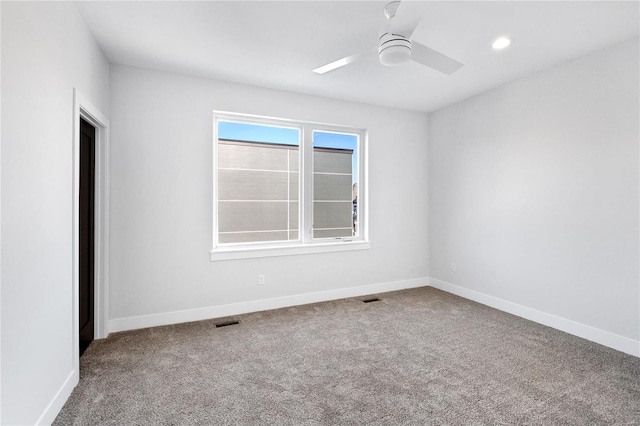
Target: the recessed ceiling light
pixel 501 43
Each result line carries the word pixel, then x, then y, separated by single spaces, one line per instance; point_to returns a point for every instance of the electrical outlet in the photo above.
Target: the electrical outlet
pixel 454 267
pixel 260 279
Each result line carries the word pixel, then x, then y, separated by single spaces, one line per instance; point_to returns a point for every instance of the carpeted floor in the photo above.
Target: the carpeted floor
pixel 416 357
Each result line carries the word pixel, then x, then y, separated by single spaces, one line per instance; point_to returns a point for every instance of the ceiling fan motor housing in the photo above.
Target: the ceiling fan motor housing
pixel 394 49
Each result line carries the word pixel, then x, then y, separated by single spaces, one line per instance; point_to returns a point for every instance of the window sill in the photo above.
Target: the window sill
pixel 286 250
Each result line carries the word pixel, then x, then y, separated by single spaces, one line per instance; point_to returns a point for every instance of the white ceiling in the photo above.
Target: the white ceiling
pixel 277 44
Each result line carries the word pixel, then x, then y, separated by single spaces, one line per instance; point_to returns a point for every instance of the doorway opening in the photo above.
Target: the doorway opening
pixel 86 233
pixel 90 283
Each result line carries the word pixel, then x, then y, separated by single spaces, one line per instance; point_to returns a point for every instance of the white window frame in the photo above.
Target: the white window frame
pixel 306 244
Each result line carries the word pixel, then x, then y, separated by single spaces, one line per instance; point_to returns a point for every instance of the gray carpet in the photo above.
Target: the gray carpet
pixel 416 357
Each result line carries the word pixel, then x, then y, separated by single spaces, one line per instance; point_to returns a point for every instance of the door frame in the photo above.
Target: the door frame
pixel 85 109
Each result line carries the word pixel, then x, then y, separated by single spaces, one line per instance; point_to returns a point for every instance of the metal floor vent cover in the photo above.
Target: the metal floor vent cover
pixel 227 323
pixel 372 299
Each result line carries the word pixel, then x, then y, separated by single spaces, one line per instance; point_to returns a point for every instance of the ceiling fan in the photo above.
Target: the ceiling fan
pixel 395 45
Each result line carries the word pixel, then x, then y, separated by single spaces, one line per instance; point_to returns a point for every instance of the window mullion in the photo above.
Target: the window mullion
pixel 307 184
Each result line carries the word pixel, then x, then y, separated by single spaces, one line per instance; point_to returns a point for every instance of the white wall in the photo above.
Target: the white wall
pixel 46 52
pixel 161 205
pixel 533 193
pixel 0 220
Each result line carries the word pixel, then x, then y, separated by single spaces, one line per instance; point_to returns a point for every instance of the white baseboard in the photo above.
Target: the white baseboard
pixel 176 317
pixel 51 412
pixel 605 338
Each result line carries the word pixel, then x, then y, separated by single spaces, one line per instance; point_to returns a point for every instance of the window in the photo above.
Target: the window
pixel 258 183
pixel 285 187
pixel 335 184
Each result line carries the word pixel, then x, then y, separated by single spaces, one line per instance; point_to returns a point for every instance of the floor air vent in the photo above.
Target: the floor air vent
pixel 373 299
pixel 227 323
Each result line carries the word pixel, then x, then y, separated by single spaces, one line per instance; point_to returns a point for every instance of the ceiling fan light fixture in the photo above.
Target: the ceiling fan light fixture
pixel 394 49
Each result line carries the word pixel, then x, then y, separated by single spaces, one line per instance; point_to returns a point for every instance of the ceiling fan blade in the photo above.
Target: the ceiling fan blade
pixel 342 62
pixel 434 59
pixel 407 18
